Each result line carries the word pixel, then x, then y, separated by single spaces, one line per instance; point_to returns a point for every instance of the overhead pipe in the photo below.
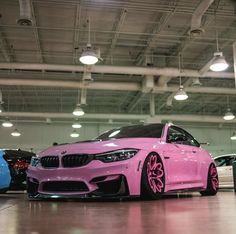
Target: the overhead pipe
pixel 116 116
pixel 125 70
pixel 131 86
pixel 196 20
pixel 118 86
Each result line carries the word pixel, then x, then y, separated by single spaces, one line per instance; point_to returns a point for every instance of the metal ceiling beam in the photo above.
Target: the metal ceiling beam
pixel 121 86
pixel 158 27
pixel 5 49
pixel 137 98
pixel 117 28
pixel 114 116
pixel 36 33
pixel 168 71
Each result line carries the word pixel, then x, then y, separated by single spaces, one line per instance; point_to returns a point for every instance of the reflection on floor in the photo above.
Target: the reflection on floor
pixel 188 213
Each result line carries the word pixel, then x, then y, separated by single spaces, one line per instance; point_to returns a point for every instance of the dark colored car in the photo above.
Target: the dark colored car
pixel 18 162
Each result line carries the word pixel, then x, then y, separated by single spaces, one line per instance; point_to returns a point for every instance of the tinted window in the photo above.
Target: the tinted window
pixel 224 161
pixel 189 139
pixel 150 130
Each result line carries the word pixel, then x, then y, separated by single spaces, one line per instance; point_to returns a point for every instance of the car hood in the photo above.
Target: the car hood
pixel 95 147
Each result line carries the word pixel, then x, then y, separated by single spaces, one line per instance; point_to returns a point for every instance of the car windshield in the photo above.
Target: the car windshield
pixel 150 130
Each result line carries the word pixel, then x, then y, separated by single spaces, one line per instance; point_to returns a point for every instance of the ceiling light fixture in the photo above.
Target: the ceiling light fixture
pixel 76 125
pixel 16 133
pixel 7 124
pixel 229 115
pixel 180 95
pixel 74 134
pixel 196 82
pixel 233 137
pixel 88 57
pixel 78 111
pixel 218 62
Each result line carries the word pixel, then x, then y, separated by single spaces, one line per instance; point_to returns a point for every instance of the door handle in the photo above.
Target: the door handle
pixel 166 157
pixel 194 151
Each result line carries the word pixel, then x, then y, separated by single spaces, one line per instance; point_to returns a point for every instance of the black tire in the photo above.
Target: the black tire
pixel 3 190
pixel 153 177
pixel 212 182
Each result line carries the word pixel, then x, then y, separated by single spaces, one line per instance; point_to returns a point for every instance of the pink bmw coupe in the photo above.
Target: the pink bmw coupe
pixel 140 160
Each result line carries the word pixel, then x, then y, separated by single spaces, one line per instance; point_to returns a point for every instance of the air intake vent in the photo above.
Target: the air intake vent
pixel 75 160
pixel 65 186
pixel 50 161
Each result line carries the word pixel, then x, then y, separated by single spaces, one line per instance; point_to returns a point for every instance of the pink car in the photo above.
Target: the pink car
pixel 140 160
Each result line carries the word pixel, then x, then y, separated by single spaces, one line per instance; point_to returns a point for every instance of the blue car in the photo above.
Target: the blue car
pixel 5 176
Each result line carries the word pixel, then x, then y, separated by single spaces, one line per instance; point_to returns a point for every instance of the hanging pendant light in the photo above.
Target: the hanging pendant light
pixel 218 62
pixel 7 124
pixel 181 95
pixel 74 134
pixel 16 133
pixel 76 125
pixel 228 115
pixel 88 57
pixel 78 111
pixel 233 137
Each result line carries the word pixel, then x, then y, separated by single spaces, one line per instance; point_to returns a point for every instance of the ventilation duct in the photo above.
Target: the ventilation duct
pixel 25 13
pixel 196 21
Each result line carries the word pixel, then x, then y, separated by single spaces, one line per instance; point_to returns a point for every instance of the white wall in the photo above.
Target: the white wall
pixel 37 136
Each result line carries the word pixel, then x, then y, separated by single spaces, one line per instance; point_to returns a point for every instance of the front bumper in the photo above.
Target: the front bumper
pixel 94 179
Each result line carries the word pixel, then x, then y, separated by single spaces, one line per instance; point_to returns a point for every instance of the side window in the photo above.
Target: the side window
pixel 221 162
pixel 230 161
pixel 171 135
pixel 190 140
pixel 174 131
pixel 225 161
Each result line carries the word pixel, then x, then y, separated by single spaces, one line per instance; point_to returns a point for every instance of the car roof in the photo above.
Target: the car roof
pixel 224 155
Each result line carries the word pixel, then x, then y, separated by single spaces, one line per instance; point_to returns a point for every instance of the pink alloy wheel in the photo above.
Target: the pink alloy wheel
pixel 214 178
pixel 155 173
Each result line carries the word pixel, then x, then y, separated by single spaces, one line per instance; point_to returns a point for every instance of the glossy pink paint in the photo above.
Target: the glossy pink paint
pixel 185 166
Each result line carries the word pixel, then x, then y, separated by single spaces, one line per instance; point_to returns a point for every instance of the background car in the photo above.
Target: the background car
pixel 18 162
pixel 139 160
pixel 225 170
pixel 5 177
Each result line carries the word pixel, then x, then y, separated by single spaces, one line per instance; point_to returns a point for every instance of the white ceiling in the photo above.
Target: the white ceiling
pixel 128 33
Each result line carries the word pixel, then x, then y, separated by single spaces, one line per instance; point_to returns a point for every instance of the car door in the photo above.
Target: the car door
pixel 181 161
pixel 225 170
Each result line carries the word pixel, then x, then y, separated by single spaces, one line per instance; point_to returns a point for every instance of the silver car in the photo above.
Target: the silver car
pixel 225 170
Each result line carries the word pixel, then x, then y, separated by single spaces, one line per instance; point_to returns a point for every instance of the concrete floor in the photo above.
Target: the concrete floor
pixel 188 213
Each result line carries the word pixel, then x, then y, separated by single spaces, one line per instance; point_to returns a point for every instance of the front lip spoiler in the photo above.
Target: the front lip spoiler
pixel 89 196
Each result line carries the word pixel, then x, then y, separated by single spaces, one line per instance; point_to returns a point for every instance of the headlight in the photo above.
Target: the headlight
pixel 118 155
pixel 35 160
